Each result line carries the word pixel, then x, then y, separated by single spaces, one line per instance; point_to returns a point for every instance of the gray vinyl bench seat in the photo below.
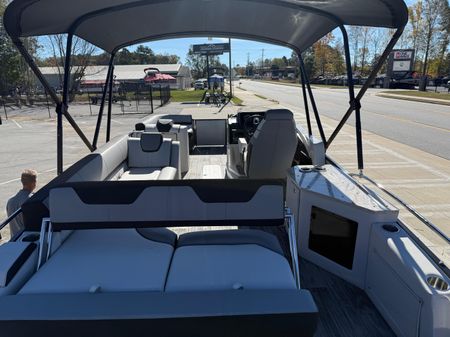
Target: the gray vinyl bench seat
pixel 229 259
pixel 106 260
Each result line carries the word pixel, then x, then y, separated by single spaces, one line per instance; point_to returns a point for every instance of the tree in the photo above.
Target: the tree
pixel 431 19
pixel 197 63
pixel 13 70
pixel 82 52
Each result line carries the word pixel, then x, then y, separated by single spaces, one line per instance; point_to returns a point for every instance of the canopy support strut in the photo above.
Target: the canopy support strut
pixel 52 93
pixel 102 104
pixel 111 88
pixel 355 104
pixel 305 102
pixel 311 97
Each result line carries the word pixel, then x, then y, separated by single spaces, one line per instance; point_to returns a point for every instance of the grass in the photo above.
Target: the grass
pixel 420 94
pixel 236 100
pixel 186 95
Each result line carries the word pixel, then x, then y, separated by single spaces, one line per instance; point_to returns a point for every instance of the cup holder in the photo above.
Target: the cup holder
pixel 437 283
pixel 305 169
pixel 390 228
pixel 31 238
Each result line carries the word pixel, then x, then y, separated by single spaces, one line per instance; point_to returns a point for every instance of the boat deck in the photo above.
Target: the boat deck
pixel 344 310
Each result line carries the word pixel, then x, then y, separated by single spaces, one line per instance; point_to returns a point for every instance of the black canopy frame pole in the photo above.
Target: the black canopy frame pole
pixel 355 104
pixel 110 100
pixel 366 85
pixel 305 102
pixel 313 101
pixel 48 88
pixel 102 104
pixel 65 104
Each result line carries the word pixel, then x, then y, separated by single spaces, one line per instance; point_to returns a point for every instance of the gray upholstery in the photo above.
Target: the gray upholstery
pixel 231 237
pixel 120 203
pixel 108 260
pixel 150 156
pixel 175 132
pixel 273 145
pixel 259 313
pixel 151 142
pixel 271 149
pixel 228 262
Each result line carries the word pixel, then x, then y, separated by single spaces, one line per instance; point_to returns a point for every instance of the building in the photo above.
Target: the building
pixel 124 74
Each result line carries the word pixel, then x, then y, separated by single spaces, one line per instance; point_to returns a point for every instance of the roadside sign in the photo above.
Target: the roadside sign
pixel 401 60
pixel 211 48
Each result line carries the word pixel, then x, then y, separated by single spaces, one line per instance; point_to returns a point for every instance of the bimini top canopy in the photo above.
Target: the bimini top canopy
pixel 113 24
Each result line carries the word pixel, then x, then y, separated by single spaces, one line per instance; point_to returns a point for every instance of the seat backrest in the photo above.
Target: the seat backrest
pixel 149 150
pixel 156 203
pixel 272 147
pixel 175 132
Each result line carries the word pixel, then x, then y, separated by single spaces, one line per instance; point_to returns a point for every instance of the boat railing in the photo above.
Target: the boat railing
pixel 411 209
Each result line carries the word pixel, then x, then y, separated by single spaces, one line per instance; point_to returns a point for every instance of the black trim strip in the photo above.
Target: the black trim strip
pixel 166 223
pixel 208 190
pixel 20 261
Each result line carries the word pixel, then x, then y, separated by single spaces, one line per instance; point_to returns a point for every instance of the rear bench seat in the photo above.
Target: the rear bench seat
pixel 223 283
pixel 152 157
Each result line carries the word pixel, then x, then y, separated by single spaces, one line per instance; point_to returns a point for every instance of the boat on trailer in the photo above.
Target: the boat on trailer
pixel 295 247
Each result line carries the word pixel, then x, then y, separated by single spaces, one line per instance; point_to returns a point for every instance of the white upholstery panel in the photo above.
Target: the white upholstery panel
pixel 225 267
pixel 141 174
pixel 114 260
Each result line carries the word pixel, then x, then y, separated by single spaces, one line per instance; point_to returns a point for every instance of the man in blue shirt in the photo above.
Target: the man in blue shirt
pixel 29 180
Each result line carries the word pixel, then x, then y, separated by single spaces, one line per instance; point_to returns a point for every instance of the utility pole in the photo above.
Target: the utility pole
pixel 248 64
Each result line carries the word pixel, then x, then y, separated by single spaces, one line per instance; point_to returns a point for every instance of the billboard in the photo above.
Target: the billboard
pixel 211 48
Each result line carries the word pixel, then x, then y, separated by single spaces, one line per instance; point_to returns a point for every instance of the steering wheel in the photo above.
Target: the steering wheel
pixel 251 123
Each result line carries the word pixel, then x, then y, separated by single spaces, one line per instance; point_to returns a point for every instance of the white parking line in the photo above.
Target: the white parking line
pixel 18 125
pixel 112 120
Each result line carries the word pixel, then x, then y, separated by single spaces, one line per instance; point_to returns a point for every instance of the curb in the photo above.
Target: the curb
pixel 415 99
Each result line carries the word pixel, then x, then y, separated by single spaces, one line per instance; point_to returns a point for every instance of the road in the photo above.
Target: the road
pixel 421 125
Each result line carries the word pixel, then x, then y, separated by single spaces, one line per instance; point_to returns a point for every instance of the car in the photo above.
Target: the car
pixel 201 84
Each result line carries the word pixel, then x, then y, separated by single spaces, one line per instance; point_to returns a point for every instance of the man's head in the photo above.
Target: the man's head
pixel 29 179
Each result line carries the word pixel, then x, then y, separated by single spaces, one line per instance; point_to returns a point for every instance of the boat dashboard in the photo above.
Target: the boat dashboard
pixel 244 125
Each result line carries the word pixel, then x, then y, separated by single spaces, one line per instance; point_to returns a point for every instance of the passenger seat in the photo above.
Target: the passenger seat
pixel 152 157
pixel 175 132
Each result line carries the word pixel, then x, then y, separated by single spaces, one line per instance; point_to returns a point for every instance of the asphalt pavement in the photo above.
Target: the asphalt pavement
pixel 420 125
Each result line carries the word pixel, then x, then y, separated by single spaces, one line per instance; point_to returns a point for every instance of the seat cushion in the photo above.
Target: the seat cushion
pixel 112 260
pixel 219 260
pixel 141 174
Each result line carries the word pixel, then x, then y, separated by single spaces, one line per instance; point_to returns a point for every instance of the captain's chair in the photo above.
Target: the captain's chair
pixel 270 151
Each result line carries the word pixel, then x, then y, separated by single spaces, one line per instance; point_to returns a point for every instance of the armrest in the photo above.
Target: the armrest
pixel 168 173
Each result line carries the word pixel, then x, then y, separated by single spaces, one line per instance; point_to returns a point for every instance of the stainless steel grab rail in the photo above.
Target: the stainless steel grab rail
pixel 411 209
